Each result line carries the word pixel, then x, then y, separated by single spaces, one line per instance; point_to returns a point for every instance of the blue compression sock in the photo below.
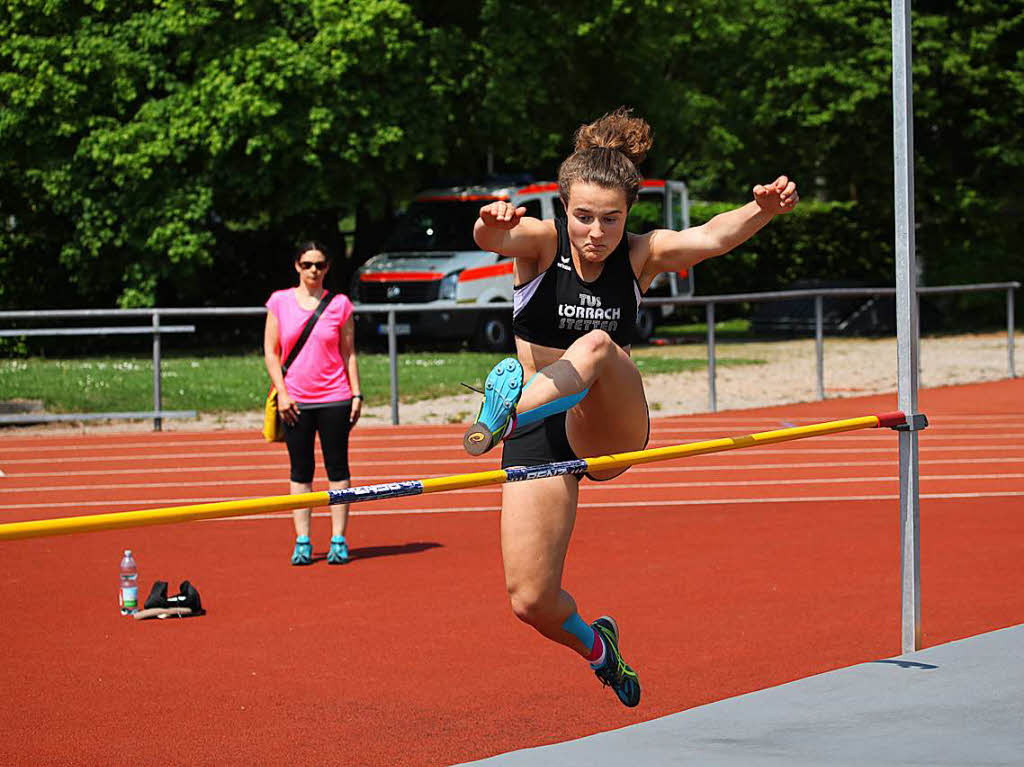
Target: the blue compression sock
pixel 574 625
pixel 595 646
pixel 559 405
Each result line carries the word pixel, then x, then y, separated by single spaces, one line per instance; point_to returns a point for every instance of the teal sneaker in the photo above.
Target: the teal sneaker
pixel 615 672
pixel 303 554
pixel 497 416
pixel 338 553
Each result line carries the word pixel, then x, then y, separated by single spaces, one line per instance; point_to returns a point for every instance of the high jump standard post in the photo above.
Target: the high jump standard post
pixel 907 328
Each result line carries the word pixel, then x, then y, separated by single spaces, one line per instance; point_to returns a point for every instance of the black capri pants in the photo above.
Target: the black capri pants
pixel 333 421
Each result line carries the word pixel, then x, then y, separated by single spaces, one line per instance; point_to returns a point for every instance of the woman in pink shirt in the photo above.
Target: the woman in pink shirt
pixel 319 393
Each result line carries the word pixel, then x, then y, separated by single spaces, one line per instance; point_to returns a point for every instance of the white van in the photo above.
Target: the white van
pixel 430 258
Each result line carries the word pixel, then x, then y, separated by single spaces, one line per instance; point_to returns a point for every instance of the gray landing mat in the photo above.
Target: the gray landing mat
pixel 960 703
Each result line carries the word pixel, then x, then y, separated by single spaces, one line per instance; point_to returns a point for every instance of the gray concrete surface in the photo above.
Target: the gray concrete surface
pixel 960 703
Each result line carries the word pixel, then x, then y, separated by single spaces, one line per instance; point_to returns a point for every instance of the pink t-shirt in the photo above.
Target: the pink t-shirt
pixel 318 374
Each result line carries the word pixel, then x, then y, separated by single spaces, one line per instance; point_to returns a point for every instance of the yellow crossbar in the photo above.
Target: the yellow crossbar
pixel 119 520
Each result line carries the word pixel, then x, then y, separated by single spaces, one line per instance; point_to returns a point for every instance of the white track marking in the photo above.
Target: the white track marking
pixel 759 421
pixel 659 443
pixel 595 487
pixel 645 505
pixel 156 457
pixel 693 465
pixel 148 504
pixel 659 428
pixel 865 436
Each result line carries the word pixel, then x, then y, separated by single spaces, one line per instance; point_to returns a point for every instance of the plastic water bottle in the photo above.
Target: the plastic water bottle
pixel 129 591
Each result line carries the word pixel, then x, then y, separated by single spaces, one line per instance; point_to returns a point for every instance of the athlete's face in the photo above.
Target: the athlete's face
pixel 596 220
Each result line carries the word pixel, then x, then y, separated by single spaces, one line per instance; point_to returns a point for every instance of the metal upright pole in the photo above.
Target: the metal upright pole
pixel 712 394
pixel 916 337
pixel 157 397
pixel 393 365
pixel 1011 370
pixel 906 324
pixel 819 344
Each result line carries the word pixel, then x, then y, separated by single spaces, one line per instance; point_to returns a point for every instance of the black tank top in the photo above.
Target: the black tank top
pixel 557 306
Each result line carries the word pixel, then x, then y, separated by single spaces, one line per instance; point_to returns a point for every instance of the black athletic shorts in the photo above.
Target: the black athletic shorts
pixel 539 443
pixel 545 442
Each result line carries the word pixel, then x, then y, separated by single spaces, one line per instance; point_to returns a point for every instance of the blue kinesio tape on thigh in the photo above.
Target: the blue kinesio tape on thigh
pixel 574 625
pixel 559 405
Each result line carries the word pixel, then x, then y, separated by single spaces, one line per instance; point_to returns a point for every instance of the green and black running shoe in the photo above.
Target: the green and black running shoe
pixel 615 672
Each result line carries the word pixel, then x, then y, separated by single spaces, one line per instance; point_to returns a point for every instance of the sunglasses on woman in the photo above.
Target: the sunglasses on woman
pixel 321 265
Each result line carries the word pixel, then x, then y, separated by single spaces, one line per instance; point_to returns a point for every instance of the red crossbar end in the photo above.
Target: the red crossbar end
pixel 891 420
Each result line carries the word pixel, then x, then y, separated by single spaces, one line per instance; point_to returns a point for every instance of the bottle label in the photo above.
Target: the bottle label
pixel 130 597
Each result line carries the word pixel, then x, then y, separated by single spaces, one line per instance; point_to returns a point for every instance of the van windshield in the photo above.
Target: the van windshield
pixel 435 225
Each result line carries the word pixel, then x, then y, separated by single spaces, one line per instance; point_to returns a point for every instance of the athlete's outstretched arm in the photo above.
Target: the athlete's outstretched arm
pixel 503 228
pixel 670 251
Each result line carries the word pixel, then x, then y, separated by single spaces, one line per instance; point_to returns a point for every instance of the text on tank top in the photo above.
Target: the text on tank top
pixel 557 306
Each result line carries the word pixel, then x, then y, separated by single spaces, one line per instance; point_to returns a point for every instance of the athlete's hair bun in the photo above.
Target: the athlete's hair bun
pixel 618 130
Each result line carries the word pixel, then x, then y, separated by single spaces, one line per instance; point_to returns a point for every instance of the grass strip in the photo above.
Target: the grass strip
pixel 239 383
pixel 735 328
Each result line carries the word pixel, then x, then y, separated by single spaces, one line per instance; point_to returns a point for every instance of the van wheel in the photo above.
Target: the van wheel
pixel 644 325
pixel 494 334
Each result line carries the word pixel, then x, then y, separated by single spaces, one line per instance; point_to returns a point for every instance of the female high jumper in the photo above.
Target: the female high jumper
pixel 578 283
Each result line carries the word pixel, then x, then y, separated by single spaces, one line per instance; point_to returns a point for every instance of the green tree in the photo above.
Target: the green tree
pixel 551 67
pixel 170 151
pixel 137 139
pixel 826 98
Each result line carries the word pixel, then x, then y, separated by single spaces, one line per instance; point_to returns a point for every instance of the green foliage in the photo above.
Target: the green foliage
pixel 644 216
pixel 821 242
pixel 137 140
pixel 163 151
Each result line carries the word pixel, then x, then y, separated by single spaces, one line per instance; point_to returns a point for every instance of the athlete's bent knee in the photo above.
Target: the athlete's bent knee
pixel 530 605
pixel 599 342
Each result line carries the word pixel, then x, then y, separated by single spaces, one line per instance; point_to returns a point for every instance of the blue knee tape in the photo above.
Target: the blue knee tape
pixel 559 405
pixel 574 625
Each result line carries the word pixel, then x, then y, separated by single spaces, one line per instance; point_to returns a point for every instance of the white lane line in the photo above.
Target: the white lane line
pixel 782 418
pixel 452 438
pixel 657 443
pixel 645 505
pixel 359 439
pixel 157 457
pixel 658 427
pixel 873 436
pixel 692 465
pixel 168 502
pixel 591 487
pixel 253 467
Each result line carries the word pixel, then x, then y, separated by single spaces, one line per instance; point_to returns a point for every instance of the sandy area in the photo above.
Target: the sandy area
pixel 853 366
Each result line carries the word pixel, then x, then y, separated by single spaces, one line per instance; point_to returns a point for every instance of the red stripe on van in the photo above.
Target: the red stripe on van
pixel 482 272
pixel 400 277
pixel 534 188
pixel 462 198
pixel 552 187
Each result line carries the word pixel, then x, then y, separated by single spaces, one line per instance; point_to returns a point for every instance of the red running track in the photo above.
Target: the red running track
pixel 728 573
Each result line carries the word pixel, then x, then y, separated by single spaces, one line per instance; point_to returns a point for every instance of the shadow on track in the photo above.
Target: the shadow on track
pixel 369 552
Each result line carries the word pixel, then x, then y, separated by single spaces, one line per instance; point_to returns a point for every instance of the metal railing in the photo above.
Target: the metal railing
pixel 393 310
pixel 155 328
pixel 818 296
